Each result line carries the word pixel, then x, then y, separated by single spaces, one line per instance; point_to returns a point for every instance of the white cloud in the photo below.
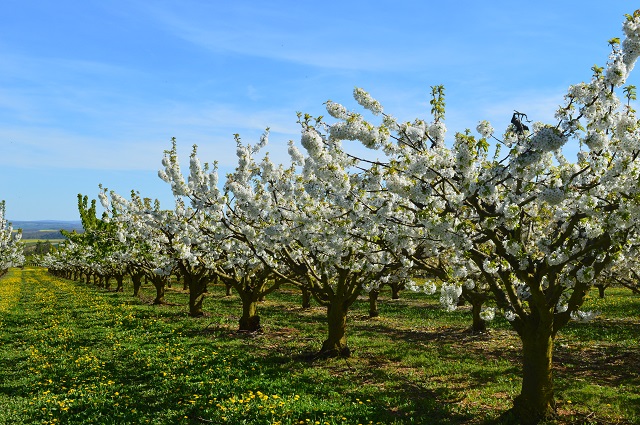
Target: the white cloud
pixel 303 36
pixel 137 140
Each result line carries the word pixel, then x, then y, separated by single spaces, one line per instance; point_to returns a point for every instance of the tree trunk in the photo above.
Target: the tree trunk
pixel 373 303
pixel 120 282
pixel 136 279
pixel 601 289
pixel 395 291
pixel 196 285
pixel 227 289
pixel 479 325
pixel 336 343
pixel 195 303
pixel 306 298
pixel 249 321
pixel 536 400
pixel 159 282
pixel 477 299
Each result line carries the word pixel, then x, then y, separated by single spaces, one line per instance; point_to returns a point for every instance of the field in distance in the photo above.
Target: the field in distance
pixel 41 230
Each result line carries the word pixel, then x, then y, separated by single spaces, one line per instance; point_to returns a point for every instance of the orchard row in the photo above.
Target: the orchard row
pixel 508 221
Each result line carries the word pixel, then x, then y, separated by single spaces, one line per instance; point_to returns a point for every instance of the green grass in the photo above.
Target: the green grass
pixel 74 354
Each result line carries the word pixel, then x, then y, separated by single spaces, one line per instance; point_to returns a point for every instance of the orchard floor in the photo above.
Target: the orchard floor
pixel 71 353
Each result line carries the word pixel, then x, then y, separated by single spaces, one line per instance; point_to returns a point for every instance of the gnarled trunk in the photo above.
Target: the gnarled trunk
pixel 196 281
pixel 159 282
pixel 478 325
pixel 197 288
pixel 159 299
pixel 306 298
pixel 136 279
pixel 373 303
pixel 107 281
pixel 250 321
pixel 120 282
pixel 395 290
pixel 477 300
pixel 536 400
pixel 195 303
pixel 336 343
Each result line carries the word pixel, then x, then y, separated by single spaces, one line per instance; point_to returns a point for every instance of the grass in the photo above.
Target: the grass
pixel 74 354
pixel 31 243
pixel 40 240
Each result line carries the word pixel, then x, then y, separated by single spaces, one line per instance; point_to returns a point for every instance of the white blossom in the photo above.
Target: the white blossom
pixel 487 314
pixel 485 129
pixel 366 101
pixel 510 315
pixel 583 316
pixel 449 294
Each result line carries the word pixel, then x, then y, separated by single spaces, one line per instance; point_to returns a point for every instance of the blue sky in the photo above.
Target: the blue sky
pixel 93 91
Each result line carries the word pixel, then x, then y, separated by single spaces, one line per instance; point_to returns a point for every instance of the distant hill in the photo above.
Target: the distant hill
pixel 46 229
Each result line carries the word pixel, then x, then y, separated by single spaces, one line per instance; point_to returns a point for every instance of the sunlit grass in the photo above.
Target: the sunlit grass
pixel 73 354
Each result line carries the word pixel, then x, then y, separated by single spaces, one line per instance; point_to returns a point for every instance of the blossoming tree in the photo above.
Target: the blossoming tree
pixel 228 227
pixel 336 246
pixel 106 259
pixel 538 227
pixel 139 224
pixel 272 225
pixel 11 251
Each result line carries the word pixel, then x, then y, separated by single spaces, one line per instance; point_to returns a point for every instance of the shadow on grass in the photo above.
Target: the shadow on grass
pixel 289 360
pixel 613 330
pixel 610 365
pixel 397 400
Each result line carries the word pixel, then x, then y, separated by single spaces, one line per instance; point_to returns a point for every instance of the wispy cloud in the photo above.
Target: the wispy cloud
pixel 136 140
pixel 323 39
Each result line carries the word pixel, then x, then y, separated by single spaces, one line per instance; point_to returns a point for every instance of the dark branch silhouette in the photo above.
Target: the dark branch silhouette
pixel 516 120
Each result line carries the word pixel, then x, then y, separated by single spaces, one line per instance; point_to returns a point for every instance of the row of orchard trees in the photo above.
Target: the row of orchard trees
pixel 89 254
pixel 11 250
pixel 524 227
